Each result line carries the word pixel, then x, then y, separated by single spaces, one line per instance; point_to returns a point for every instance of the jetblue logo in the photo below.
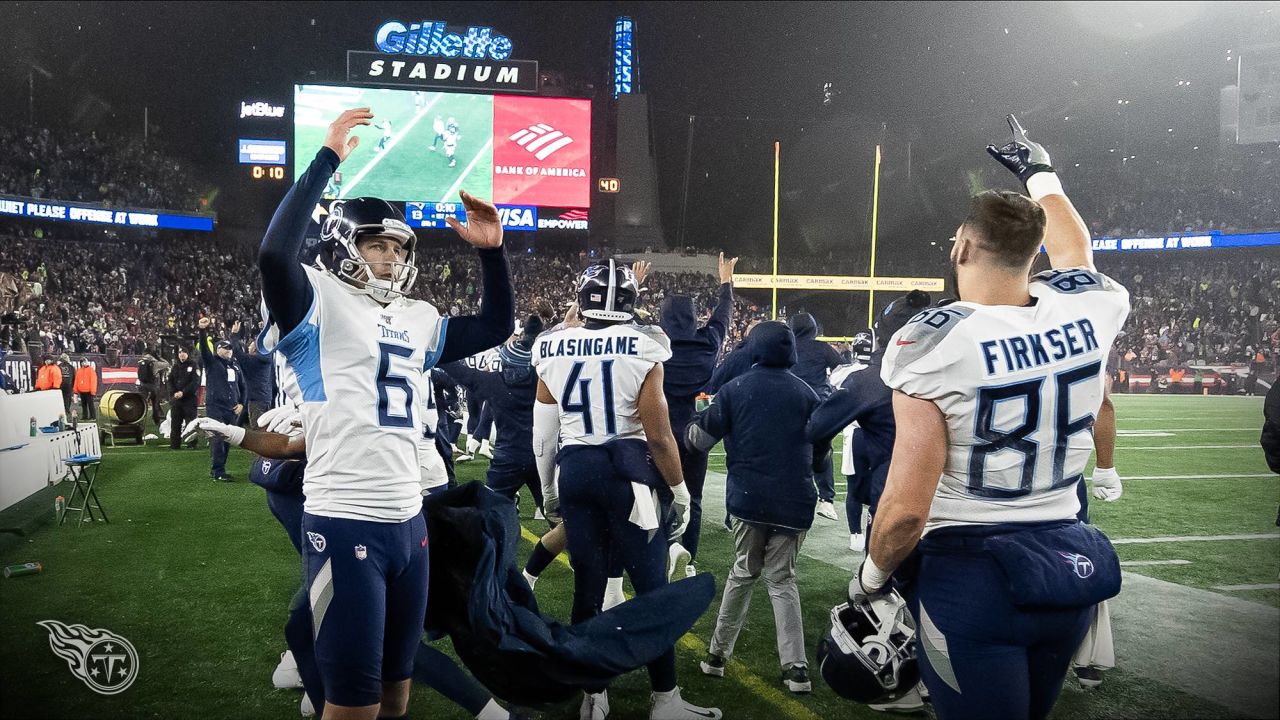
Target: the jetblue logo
pixel 541 140
pixel 1081 565
pixel 432 38
pixel 261 109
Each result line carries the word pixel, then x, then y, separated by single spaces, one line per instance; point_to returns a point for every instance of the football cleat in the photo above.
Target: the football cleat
pixel 595 706
pixel 306 709
pixel 613 594
pixel 286 674
pixel 796 678
pixel 858 542
pixel 670 706
pixel 869 653
pixel 1089 676
pixel 678 559
pixel 485 450
pixel 713 665
pixel 827 510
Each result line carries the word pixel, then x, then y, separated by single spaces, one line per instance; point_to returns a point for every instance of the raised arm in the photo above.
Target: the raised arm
pixel 470 334
pixel 285 287
pixel 723 314
pixel 1066 237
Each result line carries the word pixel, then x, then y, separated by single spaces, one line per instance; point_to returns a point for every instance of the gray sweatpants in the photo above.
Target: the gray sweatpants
pixel 771 553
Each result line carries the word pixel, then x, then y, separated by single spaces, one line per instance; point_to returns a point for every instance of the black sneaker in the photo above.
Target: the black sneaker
pixel 713 665
pixel 796 678
pixel 1089 677
pixel 223 478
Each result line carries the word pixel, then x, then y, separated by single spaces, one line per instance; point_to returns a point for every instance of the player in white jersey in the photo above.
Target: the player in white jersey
pixel 357 350
pixel 994 399
pixel 600 402
pixel 385 127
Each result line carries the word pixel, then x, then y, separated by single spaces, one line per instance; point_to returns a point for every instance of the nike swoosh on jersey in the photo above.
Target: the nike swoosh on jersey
pixel 905 342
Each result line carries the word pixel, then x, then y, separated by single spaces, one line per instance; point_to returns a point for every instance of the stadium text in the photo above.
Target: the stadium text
pixel 508 75
pixel 432 38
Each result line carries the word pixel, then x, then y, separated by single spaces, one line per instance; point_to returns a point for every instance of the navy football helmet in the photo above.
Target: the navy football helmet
pixel 869 655
pixel 864 343
pixel 347 223
pixel 608 291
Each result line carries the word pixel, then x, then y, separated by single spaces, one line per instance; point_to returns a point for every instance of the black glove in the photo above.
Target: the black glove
pixel 1023 157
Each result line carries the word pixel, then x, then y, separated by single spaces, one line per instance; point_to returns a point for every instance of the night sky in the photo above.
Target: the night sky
pixel 939 76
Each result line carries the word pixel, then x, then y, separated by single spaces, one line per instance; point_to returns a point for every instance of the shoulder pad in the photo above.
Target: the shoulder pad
pixel 924 331
pixel 656 334
pixel 1071 281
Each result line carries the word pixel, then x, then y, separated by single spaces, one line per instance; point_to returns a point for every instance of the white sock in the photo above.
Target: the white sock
pixel 493 711
pixel 531 579
pixel 666 696
pixel 613 586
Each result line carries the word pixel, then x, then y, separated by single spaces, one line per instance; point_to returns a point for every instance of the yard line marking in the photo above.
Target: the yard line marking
pixel 1145 563
pixel 1186 447
pixel 1193 538
pixel 1259 586
pixel 788 707
pixel 1183 430
pixel 380 154
pixel 453 189
pixel 1216 476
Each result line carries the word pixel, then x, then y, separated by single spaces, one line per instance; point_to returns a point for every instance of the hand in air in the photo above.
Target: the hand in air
pixel 726 269
pixel 483 228
pixel 1021 156
pixel 337 140
pixel 641 270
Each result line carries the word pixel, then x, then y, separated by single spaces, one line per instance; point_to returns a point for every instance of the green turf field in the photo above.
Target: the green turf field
pixel 406 169
pixel 198 575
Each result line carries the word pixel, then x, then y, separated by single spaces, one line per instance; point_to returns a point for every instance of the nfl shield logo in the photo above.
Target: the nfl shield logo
pixel 361 553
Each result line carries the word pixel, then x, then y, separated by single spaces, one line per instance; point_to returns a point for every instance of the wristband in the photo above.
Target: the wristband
pixel 235 435
pixel 871 577
pixel 1042 184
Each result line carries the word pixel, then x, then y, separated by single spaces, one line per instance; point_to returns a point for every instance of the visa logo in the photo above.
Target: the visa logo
pixel 516 217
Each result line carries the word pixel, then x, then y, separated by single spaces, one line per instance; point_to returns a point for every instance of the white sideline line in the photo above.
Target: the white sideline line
pixel 1193 538
pixel 1185 447
pixel 395 139
pixel 1259 586
pixel 1183 430
pixel 1145 563
pixel 453 189
pixel 1198 477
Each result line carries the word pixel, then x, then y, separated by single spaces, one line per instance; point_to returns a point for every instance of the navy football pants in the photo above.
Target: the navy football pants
pixel 595 503
pixel 980 656
pixel 367 586
pixel 506 478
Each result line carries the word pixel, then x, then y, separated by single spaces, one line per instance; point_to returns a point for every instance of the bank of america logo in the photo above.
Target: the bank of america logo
pixel 574 215
pixel 542 140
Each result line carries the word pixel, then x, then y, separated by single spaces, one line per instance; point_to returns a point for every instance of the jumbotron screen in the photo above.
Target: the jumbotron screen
pixel 530 155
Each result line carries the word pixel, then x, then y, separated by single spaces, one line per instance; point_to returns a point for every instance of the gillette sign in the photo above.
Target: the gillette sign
pixel 432 39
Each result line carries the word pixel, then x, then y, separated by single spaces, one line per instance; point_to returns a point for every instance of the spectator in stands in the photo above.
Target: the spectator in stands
pixel 86 386
pixel 49 377
pixel 184 384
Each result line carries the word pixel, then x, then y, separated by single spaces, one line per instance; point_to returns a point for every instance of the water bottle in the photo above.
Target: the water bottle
pixel 62 422
pixel 33 426
pixel 59 506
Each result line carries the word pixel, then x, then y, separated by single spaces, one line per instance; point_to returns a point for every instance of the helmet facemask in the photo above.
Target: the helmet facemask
pixel 340 254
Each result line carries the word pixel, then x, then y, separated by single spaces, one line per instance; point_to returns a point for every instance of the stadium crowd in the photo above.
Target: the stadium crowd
pixel 83 167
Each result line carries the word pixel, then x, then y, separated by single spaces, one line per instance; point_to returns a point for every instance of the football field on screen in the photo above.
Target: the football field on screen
pixel 198 576
pixel 405 168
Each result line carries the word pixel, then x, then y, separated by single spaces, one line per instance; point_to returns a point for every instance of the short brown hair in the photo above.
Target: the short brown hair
pixel 1008 225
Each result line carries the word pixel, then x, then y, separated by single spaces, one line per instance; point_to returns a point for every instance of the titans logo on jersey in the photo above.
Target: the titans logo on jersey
pixel 596 377
pixel 1019 387
pixel 357 370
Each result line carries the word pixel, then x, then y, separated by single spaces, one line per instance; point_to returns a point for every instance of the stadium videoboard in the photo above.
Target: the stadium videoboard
pixel 530 155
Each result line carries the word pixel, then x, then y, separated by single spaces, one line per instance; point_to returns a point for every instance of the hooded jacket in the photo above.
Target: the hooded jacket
pixel 813 357
pixel 761 417
pixel 49 377
pixel 480 599
pixel 864 398
pixel 694 351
